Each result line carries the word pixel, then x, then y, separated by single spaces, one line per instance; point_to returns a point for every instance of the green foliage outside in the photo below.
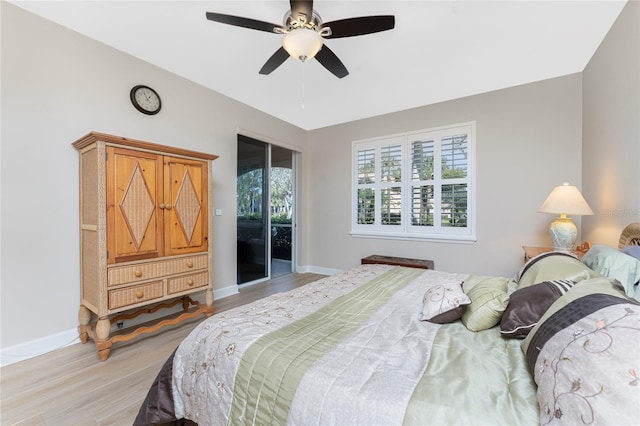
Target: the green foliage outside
pixel 454 197
pixel 250 207
pixel 249 195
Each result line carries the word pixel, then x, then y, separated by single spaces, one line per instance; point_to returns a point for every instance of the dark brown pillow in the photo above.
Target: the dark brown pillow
pixel 527 305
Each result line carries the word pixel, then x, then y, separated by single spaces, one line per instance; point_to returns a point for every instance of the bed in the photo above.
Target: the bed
pixel 386 345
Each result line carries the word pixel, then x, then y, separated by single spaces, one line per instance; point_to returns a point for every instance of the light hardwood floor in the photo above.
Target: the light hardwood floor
pixel 70 386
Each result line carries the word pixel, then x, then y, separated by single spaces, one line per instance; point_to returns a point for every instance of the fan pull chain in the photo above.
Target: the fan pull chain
pixel 302 100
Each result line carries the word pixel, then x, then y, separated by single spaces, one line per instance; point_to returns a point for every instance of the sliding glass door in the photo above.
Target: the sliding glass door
pixel 281 205
pixel 265 213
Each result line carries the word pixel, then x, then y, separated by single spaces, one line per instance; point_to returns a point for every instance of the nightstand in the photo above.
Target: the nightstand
pixel 531 252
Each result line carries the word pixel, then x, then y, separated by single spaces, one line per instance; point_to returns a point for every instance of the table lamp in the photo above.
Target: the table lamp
pixel 564 200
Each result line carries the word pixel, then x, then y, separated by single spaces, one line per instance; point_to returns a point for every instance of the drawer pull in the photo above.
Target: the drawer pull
pixel 138 273
pixel 190 282
pixel 189 264
pixel 139 294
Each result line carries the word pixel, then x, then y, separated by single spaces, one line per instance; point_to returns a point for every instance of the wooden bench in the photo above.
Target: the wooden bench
pixel 398 261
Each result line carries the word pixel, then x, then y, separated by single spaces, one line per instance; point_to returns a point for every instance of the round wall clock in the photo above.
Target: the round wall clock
pixel 145 99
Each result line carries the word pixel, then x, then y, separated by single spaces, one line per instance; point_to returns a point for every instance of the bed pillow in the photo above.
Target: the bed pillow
pixel 489 299
pixel 444 303
pixel 584 354
pixel 602 285
pixel 487 280
pixel 632 251
pixel 612 263
pixel 527 305
pixel 554 265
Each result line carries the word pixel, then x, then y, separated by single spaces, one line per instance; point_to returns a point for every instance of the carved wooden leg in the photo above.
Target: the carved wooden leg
pixel 208 298
pixel 185 303
pixel 103 328
pixel 84 317
pixel 103 343
pixel 104 349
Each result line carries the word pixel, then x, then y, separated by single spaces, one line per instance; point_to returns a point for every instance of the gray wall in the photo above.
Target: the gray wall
pixel 611 131
pixel 57 86
pixel 528 141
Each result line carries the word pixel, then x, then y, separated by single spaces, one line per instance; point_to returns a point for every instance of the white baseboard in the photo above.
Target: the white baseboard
pixel 225 292
pixel 316 270
pixel 36 347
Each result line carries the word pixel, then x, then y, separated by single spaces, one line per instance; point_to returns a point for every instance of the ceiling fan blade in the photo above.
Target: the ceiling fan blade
pixel 274 61
pixel 330 61
pixel 301 7
pixel 359 26
pixel 239 21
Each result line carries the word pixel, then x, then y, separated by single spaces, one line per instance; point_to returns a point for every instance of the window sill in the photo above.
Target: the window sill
pixel 456 239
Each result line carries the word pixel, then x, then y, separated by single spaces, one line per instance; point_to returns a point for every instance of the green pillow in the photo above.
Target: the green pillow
pixel 554 266
pixel 489 299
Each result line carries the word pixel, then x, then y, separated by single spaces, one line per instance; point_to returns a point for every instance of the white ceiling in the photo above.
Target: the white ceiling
pixel 439 50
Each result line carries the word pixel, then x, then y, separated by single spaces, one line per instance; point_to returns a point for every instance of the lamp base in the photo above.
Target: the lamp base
pixel 563 233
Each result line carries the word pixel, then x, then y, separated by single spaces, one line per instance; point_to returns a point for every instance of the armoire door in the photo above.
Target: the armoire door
pixel 185 206
pixel 134 190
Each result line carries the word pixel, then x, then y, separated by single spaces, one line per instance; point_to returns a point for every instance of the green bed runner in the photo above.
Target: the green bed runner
pixel 272 367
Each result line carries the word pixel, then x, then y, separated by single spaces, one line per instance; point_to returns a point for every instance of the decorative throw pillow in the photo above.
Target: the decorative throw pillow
pixel 444 303
pixel 527 305
pixel 489 299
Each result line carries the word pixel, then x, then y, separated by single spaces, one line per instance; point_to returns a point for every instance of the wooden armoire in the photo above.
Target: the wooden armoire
pixel 145 239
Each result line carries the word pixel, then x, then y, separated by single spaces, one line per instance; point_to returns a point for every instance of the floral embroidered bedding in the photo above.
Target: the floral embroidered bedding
pixel 368 346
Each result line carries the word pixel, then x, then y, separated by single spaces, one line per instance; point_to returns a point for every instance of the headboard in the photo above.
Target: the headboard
pixel 630 236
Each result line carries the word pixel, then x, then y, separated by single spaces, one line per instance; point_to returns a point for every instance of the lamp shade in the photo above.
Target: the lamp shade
pixel 566 199
pixel 302 43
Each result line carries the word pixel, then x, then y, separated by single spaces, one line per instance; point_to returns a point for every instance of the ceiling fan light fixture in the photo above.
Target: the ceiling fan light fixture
pixel 302 43
pixel 303 34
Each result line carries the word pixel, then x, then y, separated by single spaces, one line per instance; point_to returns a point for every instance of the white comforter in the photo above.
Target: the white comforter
pixel 368 377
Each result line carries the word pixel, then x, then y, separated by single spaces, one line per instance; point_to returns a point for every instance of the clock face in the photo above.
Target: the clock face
pixel 145 99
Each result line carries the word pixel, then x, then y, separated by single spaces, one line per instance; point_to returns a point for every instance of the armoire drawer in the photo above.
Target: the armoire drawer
pixel 187 282
pixel 135 294
pixel 118 275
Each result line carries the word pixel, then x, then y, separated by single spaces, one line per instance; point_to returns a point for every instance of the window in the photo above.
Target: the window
pixel 416 185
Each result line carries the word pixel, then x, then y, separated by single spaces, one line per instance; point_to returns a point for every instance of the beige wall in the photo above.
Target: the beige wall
pixel 57 86
pixel 611 129
pixel 528 141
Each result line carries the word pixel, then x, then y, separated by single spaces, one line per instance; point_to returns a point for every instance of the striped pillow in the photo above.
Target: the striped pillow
pixel 527 305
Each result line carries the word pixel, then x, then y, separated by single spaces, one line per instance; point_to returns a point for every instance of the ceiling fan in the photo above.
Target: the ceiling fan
pixel 304 32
